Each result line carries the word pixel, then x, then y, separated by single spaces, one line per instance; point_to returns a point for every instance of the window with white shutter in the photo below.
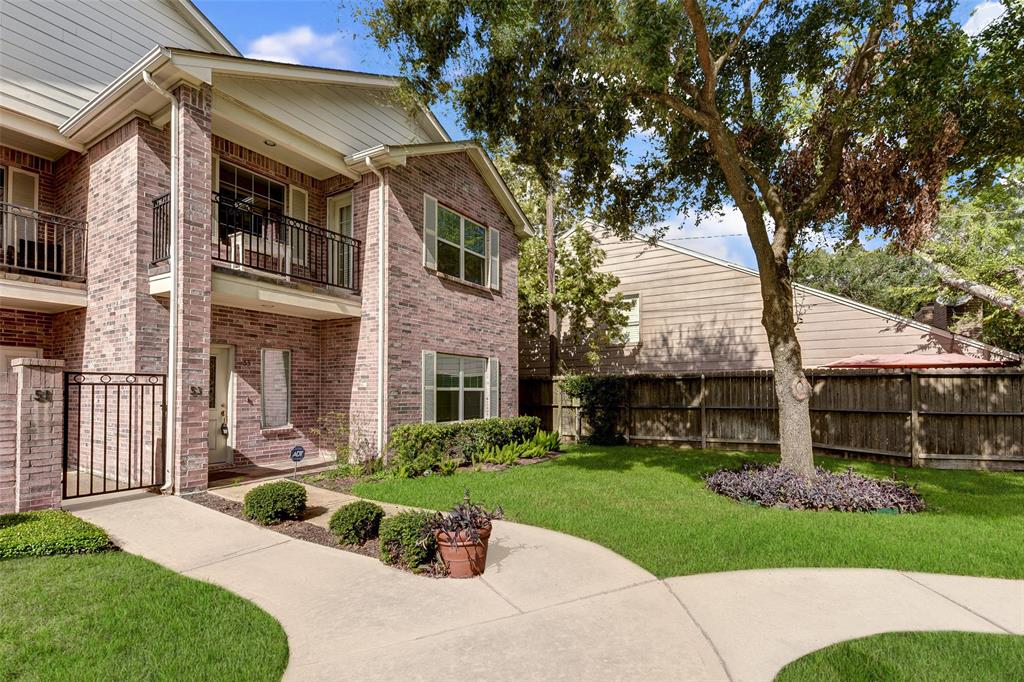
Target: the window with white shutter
pixel 429 398
pixel 493 388
pixel 494 258
pixel 429 231
pixel 460 389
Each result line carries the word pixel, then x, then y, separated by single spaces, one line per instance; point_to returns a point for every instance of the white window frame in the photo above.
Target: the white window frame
pixel 263 389
pixel 220 163
pixel 461 389
pixel 299 251
pixel 334 203
pixel 627 335
pixel 11 228
pixel 485 256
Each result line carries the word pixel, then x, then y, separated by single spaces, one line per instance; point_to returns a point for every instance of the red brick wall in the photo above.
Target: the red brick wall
pixel 428 313
pixel 27 329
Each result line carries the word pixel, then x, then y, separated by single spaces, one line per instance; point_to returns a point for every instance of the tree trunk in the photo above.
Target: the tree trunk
pixel 553 352
pixel 792 389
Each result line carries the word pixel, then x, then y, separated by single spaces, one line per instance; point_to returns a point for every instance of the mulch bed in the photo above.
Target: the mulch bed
pixel 300 530
pixel 336 484
pixel 310 532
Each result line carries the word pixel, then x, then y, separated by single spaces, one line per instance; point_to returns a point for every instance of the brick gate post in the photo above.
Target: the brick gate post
pixel 38 433
pixel 192 364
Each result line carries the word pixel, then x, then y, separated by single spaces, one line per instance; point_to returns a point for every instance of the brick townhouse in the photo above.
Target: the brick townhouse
pixel 202 255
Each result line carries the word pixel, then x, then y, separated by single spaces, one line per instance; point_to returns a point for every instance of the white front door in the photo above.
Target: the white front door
pixel 340 255
pixel 220 374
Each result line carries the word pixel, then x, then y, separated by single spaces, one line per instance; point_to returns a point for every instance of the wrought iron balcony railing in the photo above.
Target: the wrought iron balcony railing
pixel 246 236
pixel 42 244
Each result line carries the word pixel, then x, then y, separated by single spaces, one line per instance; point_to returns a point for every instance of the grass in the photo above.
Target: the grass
pixel 912 657
pixel 651 506
pixel 43 533
pixel 100 614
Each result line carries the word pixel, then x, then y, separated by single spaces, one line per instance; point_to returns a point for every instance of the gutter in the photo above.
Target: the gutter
pixel 382 308
pixel 172 327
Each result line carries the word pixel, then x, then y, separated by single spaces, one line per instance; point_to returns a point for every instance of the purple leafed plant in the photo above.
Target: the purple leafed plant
pixel 771 486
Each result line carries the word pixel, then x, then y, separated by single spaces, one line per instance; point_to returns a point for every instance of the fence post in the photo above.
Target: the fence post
pixel 38 433
pixel 915 420
pixel 703 416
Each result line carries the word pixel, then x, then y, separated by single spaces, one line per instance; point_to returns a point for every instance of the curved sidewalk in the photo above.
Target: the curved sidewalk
pixel 550 606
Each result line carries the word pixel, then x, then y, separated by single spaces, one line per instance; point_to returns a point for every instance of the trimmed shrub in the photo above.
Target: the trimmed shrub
pixel 357 522
pixel 49 532
pixel 772 486
pixel 404 540
pixel 275 502
pixel 419 448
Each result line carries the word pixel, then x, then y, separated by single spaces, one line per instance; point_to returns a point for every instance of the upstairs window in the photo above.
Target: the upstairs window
pixel 457 246
pixel 257 196
pixel 461 246
pixel 631 332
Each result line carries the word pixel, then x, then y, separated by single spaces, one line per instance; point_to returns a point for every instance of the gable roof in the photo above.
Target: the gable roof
pixel 835 298
pixel 385 155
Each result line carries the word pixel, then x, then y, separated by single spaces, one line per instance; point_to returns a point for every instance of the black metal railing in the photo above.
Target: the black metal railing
pixel 246 236
pixel 42 244
pixel 114 432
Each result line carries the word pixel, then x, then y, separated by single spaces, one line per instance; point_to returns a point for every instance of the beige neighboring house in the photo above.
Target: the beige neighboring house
pixel 694 312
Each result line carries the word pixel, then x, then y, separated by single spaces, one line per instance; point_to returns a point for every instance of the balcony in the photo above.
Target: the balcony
pixel 248 238
pixel 41 244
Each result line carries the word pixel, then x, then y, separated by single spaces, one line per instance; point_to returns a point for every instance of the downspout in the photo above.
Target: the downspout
pixel 172 326
pixel 382 308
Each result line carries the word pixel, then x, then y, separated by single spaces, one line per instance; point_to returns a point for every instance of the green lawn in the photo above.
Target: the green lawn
pixel 117 616
pixel 650 505
pixel 913 657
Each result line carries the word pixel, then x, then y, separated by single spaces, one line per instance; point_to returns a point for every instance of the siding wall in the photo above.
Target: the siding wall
pixel 347 119
pixel 698 315
pixel 57 55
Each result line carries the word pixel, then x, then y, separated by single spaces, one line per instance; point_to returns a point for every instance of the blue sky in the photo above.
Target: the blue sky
pixel 318 33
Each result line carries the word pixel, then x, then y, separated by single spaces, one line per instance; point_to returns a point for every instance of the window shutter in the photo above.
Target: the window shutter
pixel 429 393
pixel 429 232
pixel 493 407
pixel 494 266
pixel 23 188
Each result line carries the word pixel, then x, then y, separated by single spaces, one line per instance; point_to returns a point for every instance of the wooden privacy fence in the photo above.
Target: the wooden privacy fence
pixel 946 418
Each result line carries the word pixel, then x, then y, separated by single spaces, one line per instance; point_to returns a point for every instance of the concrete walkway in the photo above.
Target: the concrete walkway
pixel 550 606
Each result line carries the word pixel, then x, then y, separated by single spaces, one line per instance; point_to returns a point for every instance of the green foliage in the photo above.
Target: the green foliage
pixel 441 447
pixel 539 446
pixel 274 502
pixel 980 237
pixel 357 522
pixel 589 312
pixel 883 278
pixel 404 540
pixel 48 532
pixel 601 399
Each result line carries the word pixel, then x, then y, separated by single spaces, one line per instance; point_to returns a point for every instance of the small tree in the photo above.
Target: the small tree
pixel 590 314
pixel 800 113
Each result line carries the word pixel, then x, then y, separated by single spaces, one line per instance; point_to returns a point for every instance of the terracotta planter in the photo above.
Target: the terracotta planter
pixel 461 556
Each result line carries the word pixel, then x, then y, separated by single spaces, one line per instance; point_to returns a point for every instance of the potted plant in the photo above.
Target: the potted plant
pixel 462 536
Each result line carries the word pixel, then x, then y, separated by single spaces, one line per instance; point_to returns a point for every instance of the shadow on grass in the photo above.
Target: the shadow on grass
pixel 971 493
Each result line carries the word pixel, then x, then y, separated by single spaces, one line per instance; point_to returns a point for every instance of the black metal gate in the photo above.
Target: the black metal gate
pixel 114 432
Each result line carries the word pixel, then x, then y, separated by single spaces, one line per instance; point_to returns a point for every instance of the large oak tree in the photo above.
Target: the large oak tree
pixel 803 114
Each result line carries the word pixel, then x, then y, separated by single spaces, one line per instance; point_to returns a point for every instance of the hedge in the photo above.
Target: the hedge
pixel 356 522
pixel 44 533
pixel 404 540
pixel 418 448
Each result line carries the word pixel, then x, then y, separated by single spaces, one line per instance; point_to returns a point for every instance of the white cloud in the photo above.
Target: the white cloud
pixel 984 14
pixel 301 45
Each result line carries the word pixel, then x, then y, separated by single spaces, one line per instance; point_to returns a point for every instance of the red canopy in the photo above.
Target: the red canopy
pixel 900 360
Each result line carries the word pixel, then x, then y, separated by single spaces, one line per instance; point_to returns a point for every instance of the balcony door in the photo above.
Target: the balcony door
pixel 18 228
pixel 340 253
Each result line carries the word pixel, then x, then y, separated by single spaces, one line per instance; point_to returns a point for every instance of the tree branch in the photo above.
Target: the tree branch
pixel 952 278
pixel 859 72
pixel 703 44
pixel 677 105
pixel 744 25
